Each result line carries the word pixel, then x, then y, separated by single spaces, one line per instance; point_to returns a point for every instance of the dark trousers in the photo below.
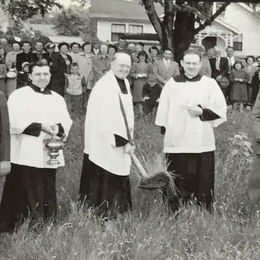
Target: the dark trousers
pixel 194 178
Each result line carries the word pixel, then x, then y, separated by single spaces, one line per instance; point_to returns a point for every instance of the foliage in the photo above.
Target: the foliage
pixel 27 8
pixel 149 232
pixel 73 21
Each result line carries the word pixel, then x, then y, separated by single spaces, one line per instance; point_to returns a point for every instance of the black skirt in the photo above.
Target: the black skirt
pixel 107 193
pixel 28 192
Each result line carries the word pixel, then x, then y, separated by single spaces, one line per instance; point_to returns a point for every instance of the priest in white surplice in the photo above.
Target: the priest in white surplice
pixel 190 107
pixel 36 113
pixel 106 166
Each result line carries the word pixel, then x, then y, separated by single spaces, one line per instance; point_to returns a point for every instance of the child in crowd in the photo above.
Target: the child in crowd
pixel 239 92
pixel 75 87
pixel 23 76
pixel 151 94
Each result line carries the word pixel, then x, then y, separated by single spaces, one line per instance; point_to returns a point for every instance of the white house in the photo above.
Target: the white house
pixel 238 26
pixel 111 18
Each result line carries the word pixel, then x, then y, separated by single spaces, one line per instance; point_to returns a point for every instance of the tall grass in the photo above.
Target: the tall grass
pixel 149 232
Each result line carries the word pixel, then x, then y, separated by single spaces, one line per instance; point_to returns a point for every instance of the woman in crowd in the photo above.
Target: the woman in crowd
pixel 250 68
pixel 239 79
pixel 60 66
pixel 139 72
pixel 112 50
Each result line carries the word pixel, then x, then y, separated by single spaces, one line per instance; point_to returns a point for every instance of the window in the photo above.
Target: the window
pixel 116 30
pixel 238 42
pixel 238 46
pixel 135 28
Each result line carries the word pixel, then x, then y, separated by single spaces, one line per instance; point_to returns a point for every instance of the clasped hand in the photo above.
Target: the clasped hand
pixel 194 111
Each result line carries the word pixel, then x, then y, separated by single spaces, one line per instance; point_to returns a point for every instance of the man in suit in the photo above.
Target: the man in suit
pixel 5 165
pixel 219 65
pixel 166 68
pixel 220 72
pixel 231 58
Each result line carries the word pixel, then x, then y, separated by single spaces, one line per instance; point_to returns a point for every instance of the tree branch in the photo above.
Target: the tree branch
pixel 212 18
pixel 153 17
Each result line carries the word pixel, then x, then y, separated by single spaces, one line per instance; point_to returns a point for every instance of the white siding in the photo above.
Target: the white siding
pixel 104 29
pixel 248 24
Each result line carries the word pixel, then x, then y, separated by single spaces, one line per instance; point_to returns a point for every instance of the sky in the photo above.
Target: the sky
pixel 65 2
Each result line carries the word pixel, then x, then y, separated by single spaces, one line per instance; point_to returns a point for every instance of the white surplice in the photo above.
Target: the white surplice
pixel 26 106
pixel 104 119
pixel 184 133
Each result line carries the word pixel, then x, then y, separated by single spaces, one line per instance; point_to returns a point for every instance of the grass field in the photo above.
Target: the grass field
pixel 149 232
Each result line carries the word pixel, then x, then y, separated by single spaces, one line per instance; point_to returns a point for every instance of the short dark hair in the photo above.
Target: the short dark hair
pixel 193 52
pixel 141 43
pixel 153 48
pixel 85 43
pixel 24 42
pixel 63 44
pixel 112 46
pixel 74 43
pixel 37 64
pixel 143 53
pixel 250 56
pixel 238 62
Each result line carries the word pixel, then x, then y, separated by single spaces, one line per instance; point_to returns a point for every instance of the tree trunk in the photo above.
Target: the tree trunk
pixel 167 26
pixel 183 33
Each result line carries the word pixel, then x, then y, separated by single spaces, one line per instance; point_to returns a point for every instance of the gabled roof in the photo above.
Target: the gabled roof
pixel 226 25
pixel 118 9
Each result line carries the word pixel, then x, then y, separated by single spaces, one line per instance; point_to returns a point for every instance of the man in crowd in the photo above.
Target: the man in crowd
pixel 219 65
pixel 190 107
pixel 39 51
pixel 220 71
pixel 5 165
pixel 101 63
pixel 106 167
pixel 122 45
pixel 166 68
pixel 96 47
pixel 36 114
pixel 231 58
pixel 25 55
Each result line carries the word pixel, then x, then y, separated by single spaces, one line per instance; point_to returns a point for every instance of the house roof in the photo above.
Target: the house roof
pixel 228 26
pixel 46 29
pixel 121 9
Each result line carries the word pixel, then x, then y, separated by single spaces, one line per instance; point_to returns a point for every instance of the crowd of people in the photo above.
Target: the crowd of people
pixel 46 88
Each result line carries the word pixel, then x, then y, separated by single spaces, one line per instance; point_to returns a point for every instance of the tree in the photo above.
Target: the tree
pixel 74 21
pixel 182 20
pixel 25 9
